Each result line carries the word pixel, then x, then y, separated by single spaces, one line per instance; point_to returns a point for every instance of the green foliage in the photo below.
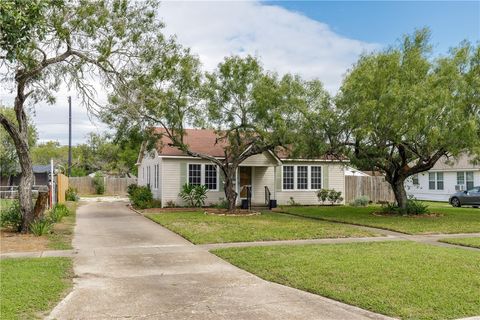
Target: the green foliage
pixel 131 189
pixel 221 204
pixel 322 195
pixel 71 194
pixel 334 196
pixel 194 195
pixel 360 201
pixel 99 183
pixel 58 212
pixel 11 217
pixel 414 207
pixel 141 197
pixel 8 155
pixel 170 204
pixel 41 226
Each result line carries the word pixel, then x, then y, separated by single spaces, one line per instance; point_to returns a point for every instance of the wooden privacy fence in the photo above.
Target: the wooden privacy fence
pixel 113 186
pixel 62 186
pixel 375 188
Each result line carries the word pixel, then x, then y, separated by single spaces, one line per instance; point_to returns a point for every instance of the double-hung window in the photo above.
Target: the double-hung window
pixel 302 177
pixel 415 180
pixel 466 179
pixel 203 174
pixel 435 180
pixel 156 176
pixel 148 176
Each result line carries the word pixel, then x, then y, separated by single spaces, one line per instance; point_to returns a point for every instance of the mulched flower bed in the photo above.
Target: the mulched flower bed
pixel 393 214
pixel 236 213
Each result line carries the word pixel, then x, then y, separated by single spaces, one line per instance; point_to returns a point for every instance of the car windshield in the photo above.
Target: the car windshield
pixel 476 189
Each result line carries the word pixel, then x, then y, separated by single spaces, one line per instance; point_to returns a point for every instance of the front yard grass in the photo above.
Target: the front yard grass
pixel 467 242
pixel 400 279
pixel 31 287
pixel 201 229
pixel 452 220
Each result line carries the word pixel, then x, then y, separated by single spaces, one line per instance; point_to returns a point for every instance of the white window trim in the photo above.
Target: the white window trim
pixel 436 180
pixel 309 177
pixel 202 174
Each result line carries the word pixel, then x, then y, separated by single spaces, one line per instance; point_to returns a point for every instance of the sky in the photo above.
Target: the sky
pixel 313 39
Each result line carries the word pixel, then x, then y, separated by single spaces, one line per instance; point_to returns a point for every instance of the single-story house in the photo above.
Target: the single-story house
pixel 167 168
pixel 445 178
pixel 41 175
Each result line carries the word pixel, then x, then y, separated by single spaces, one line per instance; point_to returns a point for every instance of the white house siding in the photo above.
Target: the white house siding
pixel 262 176
pixel 333 177
pixel 149 161
pixel 260 160
pixel 422 191
pixel 174 178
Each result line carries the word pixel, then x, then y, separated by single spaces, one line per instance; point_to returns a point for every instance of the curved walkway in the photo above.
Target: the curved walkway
pixel 131 267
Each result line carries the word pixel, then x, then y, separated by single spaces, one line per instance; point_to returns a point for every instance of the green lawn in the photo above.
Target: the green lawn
pixel 467 242
pixel 61 237
pixel 452 220
pixel 200 228
pixel 400 279
pixel 32 287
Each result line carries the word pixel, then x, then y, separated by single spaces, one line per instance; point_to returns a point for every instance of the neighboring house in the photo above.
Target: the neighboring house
pixel 167 169
pixel 40 177
pixel 444 179
pixel 349 171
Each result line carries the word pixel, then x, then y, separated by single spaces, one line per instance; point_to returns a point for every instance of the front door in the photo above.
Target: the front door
pixel 245 180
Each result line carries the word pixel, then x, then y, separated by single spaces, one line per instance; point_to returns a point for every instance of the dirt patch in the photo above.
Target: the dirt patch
pixel 160 210
pixel 16 242
pixel 415 216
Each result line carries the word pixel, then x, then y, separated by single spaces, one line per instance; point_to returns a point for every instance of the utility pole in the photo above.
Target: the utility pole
pixel 69 135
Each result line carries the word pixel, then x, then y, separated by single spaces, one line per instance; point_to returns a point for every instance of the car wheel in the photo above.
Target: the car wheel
pixel 455 202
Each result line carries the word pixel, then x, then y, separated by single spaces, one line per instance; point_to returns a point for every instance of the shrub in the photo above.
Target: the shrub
pixel 99 183
pixel 58 212
pixel 41 226
pixel 71 194
pixel 334 196
pixel 131 188
pixel 322 195
pixel 194 195
pixel 360 201
pixel 414 207
pixel 11 216
pixel 141 197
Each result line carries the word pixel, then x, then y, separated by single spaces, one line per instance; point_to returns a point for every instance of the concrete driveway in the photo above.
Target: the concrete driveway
pixel 130 267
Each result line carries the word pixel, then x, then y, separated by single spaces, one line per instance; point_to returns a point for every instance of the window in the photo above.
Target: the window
pixel 148 176
pixel 415 180
pixel 465 178
pixel 156 178
pixel 211 176
pixel 203 174
pixel 435 180
pixel 195 174
pixel 315 177
pixel 302 177
pixel 288 177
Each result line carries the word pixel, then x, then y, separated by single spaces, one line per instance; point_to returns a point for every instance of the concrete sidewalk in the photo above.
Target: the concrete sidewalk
pixel 131 267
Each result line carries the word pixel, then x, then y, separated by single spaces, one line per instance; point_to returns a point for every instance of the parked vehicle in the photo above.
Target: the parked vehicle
pixel 466 198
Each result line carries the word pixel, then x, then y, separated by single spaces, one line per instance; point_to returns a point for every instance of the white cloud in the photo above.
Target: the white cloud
pixel 284 40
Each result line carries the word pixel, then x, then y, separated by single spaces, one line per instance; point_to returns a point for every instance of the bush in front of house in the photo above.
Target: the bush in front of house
pixel 11 217
pixel 414 207
pixel 194 195
pixel 362 201
pixel 58 212
pixel 71 194
pixel 141 197
pixel 99 183
pixel 330 195
pixel 131 188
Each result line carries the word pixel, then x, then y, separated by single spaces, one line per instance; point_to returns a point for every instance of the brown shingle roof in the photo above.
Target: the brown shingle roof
pixel 205 141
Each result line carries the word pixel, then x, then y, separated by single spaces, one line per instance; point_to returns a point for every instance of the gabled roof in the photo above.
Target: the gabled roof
pixel 205 141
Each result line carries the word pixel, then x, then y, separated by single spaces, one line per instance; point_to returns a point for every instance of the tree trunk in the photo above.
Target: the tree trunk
pixel 25 189
pixel 229 189
pixel 400 193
